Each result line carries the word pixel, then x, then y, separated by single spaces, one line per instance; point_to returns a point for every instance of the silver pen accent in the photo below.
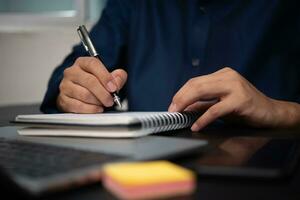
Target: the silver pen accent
pixel 89 47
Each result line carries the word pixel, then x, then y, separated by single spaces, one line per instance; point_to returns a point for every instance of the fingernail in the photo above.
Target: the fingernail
pixel 188 109
pixel 172 107
pixel 110 103
pixel 195 127
pixel 100 110
pixel 111 86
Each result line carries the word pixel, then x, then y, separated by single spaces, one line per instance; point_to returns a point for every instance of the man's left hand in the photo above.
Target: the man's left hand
pixel 233 96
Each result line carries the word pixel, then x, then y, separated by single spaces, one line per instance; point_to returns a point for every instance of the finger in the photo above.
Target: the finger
pixel 218 76
pixel 221 75
pixel 91 83
pixel 78 92
pixel 94 66
pixel 214 112
pixel 200 105
pixel 72 105
pixel 120 77
pixel 196 90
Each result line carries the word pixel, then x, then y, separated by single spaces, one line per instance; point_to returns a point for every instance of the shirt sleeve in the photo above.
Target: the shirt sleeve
pixel 109 36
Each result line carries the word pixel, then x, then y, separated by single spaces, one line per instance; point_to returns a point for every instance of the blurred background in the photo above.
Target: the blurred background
pixel 35 36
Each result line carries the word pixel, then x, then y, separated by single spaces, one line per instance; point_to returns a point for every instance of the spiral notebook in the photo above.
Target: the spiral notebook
pixel 112 125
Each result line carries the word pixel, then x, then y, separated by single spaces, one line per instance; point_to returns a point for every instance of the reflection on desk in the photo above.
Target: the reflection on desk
pixel 234 151
pixel 256 157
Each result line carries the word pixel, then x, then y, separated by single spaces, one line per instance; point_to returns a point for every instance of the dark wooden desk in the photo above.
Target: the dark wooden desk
pixel 208 187
pixel 8 113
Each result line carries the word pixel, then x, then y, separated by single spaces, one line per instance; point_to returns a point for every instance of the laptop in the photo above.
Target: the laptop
pixel 40 165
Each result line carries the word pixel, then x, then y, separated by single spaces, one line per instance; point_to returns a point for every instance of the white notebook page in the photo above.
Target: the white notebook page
pixel 123 118
pixel 104 124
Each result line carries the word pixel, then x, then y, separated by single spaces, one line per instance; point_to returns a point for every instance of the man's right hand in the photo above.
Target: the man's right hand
pixel 86 86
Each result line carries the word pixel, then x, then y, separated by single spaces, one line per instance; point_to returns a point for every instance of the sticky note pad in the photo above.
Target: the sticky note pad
pixel 142 180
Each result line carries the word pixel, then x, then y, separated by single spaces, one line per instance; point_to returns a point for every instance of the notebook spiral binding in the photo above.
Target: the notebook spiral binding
pixel 169 121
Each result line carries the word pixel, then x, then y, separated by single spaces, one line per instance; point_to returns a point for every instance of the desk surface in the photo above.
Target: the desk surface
pixel 207 187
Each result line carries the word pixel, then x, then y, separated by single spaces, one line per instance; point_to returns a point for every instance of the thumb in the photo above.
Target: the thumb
pixel 120 77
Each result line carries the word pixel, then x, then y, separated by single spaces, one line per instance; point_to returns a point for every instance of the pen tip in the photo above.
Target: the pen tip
pixel 117 101
pixel 119 104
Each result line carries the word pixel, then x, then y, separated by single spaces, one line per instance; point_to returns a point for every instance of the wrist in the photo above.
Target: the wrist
pixel 286 114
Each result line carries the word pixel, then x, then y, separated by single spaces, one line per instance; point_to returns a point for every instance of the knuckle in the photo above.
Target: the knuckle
pixel 227 69
pixel 63 104
pixel 84 95
pixel 77 107
pixel 178 99
pixel 70 70
pixel 66 88
pixel 66 72
pixel 91 81
pixel 61 86
pixel 122 73
pixel 238 84
pixel 233 74
pixel 60 101
pixel 79 60
pixel 192 82
pixel 195 85
pixel 93 62
pixel 72 93
pixel 200 87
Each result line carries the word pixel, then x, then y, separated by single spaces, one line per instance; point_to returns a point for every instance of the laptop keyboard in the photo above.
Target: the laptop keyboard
pixel 40 160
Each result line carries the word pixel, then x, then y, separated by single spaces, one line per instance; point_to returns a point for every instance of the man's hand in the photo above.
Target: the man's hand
pixel 86 86
pixel 235 98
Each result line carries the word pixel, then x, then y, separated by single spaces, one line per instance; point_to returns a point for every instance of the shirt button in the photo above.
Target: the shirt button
pixel 202 9
pixel 195 62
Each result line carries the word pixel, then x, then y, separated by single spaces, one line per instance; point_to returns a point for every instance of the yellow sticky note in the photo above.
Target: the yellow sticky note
pixel 147 173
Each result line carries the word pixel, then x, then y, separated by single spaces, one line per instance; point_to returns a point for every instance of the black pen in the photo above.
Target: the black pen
pixel 89 47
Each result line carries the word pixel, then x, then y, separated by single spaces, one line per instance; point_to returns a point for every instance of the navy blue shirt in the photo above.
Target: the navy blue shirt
pixel 163 43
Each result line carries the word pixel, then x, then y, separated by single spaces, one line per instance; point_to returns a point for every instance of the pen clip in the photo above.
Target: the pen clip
pixel 86 41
